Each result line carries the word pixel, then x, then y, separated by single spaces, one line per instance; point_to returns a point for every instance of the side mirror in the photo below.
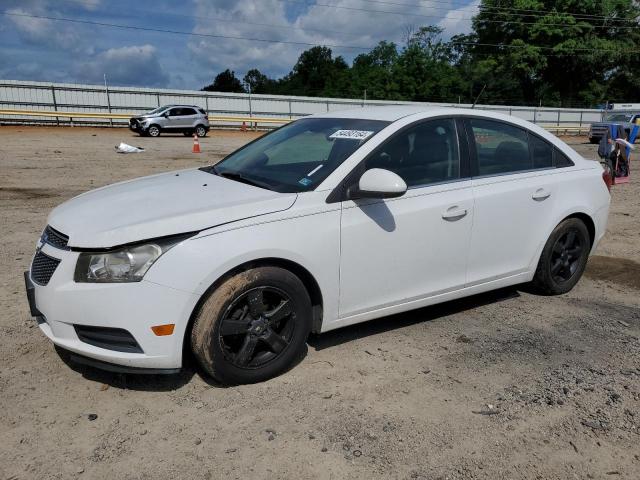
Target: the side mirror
pixel 165 114
pixel 378 183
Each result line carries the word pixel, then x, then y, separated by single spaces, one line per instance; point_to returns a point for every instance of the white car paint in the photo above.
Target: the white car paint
pixel 369 258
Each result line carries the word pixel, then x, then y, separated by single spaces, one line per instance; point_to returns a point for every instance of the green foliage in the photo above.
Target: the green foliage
pixel 526 52
pixel 225 82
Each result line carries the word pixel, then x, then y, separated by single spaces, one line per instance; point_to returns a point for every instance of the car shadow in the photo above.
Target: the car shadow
pixel 130 381
pixel 406 319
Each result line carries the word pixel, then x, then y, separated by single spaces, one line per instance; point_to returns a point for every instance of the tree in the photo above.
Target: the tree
pixel 225 82
pixel 373 72
pixel 556 50
pixel 313 71
pixel 258 82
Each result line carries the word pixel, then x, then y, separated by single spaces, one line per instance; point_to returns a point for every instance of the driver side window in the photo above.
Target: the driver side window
pixel 422 154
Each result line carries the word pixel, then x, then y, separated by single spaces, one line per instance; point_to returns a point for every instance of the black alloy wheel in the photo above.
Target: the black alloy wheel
pixel 566 255
pixel 253 326
pixel 257 327
pixel 563 258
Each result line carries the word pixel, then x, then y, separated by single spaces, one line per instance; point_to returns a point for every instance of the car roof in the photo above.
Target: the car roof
pixel 389 113
pixel 393 113
pixel 190 106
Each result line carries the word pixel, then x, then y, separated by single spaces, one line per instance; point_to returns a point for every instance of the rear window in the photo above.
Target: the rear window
pixel 201 110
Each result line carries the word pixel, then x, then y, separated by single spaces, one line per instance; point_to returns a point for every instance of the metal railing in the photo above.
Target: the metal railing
pixel 39 102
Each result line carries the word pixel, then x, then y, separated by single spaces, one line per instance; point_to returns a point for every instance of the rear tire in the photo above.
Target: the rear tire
pixel 563 258
pixel 201 131
pixel 253 326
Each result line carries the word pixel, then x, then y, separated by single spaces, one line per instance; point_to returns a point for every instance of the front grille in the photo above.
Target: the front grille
pixel 42 268
pixel 55 238
pixel 116 339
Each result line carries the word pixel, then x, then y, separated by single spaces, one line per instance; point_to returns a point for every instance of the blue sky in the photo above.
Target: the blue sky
pixel 42 49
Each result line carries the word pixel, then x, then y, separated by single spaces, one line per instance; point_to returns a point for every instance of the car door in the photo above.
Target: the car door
pixel 175 119
pixel 394 251
pixel 514 190
pixel 189 118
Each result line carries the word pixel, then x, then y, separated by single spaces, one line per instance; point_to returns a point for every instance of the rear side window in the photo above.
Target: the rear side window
pixel 188 111
pixel 422 154
pixel 541 153
pixel 500 148
pixel 561 160
pixel 201 110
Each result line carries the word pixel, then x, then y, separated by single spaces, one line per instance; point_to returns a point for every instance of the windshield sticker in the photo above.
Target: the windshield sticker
pixel 315 170
pixel 305 181
pixel 352 134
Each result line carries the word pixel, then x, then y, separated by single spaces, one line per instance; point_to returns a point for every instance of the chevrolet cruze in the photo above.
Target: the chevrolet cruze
pixel 329 221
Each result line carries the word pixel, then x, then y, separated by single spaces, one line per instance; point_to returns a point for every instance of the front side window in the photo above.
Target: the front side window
pixel 175 112
pixel 500 147
pixel 421 155
pixel 298 156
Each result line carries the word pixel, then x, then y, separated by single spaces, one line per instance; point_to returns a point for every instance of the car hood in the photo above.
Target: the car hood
pixel 161 205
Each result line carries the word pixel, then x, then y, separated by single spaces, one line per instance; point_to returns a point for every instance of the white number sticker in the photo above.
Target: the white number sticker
pixel 351 134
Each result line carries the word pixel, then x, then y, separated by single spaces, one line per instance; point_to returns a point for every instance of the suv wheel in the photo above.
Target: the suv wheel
pixel 154 131
pixel 253 326
pixel 201 131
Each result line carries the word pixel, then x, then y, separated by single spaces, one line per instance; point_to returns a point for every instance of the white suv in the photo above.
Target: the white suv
pixel 329 221
pixel 186 119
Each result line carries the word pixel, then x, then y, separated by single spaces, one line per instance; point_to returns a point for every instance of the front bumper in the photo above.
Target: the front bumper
pixel 136 126
pixel 135 307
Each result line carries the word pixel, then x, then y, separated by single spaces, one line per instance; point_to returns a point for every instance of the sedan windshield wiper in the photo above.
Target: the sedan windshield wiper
pixel 241 178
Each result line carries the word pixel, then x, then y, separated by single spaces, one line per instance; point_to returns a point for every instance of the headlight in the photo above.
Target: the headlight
pixel 126 264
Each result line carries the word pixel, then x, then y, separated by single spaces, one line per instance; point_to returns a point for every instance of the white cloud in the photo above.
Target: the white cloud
pixel 131 65
pixel 454 22
pixel 42 30
pixel 317 25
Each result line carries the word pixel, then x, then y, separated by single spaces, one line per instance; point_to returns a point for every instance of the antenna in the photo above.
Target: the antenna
pixel 479 95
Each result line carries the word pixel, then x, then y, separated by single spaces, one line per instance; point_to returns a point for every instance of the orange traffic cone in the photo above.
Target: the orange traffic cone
pixel 196 144
pixel 244 127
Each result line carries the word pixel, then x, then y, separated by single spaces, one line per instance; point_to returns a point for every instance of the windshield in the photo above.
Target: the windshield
pixel 157 110
pixel 619 117
pixel 298 156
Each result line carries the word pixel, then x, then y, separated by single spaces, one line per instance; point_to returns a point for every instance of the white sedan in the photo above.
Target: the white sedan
pixel 329 221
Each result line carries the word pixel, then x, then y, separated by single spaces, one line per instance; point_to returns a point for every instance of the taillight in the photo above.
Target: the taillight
pixel 206 117
pixel 607 178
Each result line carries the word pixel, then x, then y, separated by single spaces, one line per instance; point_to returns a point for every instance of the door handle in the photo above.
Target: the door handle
pixel 454 213
pixel 541 194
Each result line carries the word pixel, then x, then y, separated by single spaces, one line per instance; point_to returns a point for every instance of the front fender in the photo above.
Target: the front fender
pixel 311 241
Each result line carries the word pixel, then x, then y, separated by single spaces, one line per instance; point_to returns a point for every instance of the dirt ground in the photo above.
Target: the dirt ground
pixel 507 385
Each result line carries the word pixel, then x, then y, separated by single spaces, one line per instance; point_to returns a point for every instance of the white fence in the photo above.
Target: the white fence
pixel 65 97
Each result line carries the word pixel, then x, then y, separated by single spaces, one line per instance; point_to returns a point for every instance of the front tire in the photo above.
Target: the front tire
pixel 153 131
pixel 563 258
pixel 253 326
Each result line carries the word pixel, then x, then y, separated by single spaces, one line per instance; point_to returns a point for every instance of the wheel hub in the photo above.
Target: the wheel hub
pixel 258 326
